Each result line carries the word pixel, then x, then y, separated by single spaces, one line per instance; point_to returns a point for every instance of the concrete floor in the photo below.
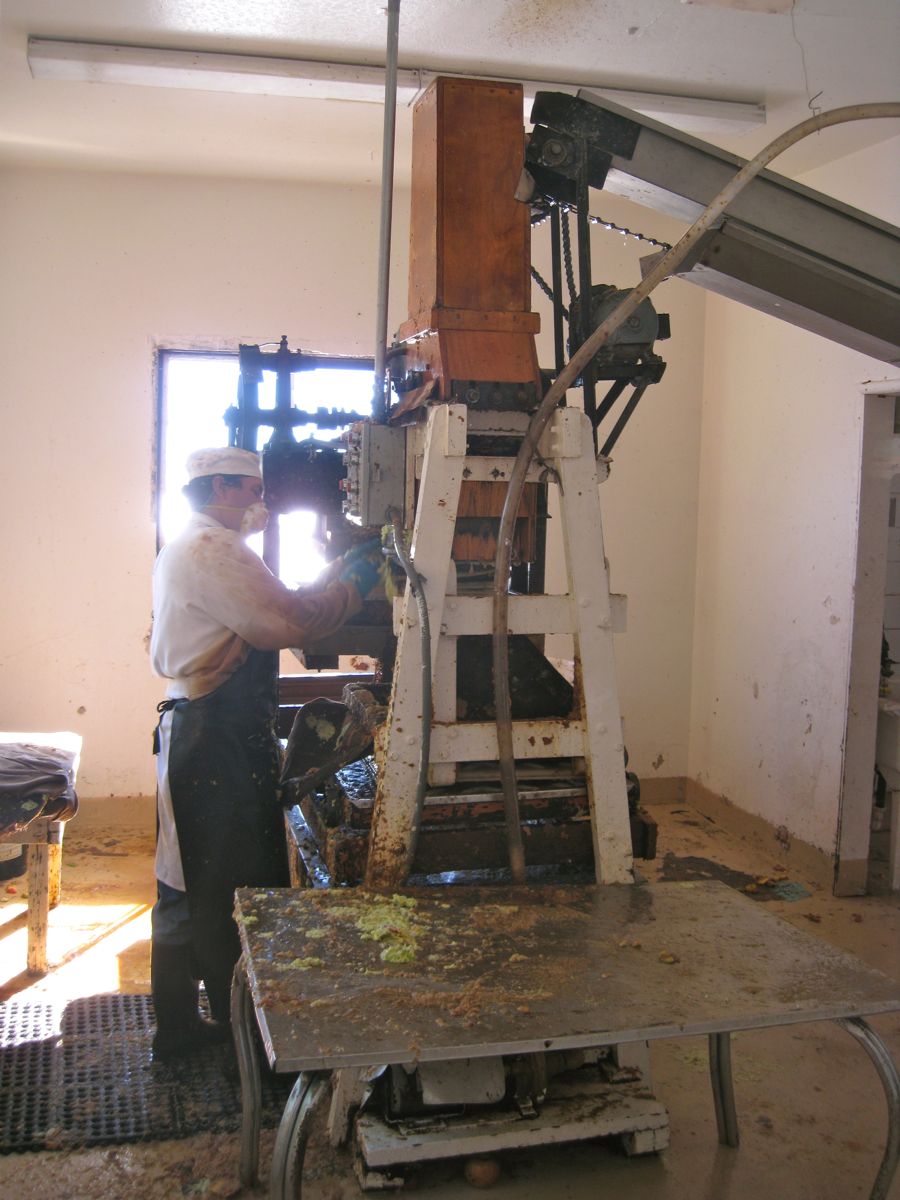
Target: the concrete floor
pixel 811 1107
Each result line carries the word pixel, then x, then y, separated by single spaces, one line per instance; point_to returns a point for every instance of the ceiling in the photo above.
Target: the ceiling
pixel 825 52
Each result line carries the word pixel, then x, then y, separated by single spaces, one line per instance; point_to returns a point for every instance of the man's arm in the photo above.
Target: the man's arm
pixel 238 589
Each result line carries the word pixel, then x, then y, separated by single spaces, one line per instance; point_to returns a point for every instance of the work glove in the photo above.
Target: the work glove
pixel 363 571
pixel 363 550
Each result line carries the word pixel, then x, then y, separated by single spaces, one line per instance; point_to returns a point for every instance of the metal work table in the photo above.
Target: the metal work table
pixel 513 970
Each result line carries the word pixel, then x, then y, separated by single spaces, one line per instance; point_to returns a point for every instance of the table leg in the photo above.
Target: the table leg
pixel 890 1080
pixel 723 1088
pixel 38 860
pixel 306 1096
pixel 248 1065
pixel 54 882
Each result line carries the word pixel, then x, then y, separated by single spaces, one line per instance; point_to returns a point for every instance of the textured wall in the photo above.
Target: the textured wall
pixel 779 487
pixel 101 270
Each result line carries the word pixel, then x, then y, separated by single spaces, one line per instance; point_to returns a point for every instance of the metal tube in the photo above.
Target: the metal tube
pixel 379 398
pixel 723 1088
pixel 605 406
pixel 307 1094
pixel 556 253
pixel 665 267
pixel 248 1066
pixel 607 447
pixel 890 1081
pixel 585 295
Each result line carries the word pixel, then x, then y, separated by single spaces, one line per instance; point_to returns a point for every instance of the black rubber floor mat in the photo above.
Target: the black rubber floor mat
pixel 83 1075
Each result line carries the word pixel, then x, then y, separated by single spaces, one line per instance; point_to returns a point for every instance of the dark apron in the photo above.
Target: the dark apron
pixel 223 773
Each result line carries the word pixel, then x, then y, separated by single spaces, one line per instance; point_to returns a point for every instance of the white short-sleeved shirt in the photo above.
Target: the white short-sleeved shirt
pixel 214 598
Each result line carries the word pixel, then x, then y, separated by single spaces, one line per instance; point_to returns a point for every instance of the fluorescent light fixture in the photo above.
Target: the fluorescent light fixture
pixel 760 6
pixel 93 62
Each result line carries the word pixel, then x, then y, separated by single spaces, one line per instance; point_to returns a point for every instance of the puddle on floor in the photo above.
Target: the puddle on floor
pixel 682 869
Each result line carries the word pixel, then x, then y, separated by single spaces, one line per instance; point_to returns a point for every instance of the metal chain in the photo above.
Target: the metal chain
pixel 564 211
pixel 567 252
pixel 610 225
pixel 641 237
pixel 547 290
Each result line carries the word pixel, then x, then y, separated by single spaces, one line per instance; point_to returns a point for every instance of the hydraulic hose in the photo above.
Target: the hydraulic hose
pixel 418 591
pixel 665 267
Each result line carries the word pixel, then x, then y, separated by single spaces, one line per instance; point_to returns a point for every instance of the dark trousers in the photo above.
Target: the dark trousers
pixel 174 970
pixel 171 917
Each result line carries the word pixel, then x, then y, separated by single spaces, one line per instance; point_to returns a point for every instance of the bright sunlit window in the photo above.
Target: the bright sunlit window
pixel 196 390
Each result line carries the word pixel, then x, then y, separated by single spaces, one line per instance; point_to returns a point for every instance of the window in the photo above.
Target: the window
pixel 196 390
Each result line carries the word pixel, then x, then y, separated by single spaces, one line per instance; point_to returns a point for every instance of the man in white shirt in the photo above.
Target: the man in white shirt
pixel 219 618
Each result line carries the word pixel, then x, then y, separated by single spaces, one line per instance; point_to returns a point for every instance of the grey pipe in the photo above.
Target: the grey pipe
pixel 379 398
pixel 665 267
pixel 890 1081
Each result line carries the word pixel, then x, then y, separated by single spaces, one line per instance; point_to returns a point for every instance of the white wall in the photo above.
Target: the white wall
pixel 102 269
pixel 779 485
pixel 99 270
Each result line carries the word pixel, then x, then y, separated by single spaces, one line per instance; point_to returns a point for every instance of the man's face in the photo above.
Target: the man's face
pixel 230 501
pixel 248 493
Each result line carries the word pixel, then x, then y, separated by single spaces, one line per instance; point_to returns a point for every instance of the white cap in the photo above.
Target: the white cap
pixel 223 460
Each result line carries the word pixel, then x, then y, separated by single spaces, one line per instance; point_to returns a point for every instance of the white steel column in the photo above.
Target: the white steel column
pixel 432 543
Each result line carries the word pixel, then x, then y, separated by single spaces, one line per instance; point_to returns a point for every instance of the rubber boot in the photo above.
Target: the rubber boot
pixel 217 984
pixel 180 1030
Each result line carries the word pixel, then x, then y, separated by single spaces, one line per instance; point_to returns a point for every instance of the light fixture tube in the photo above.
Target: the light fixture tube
pixel 95 62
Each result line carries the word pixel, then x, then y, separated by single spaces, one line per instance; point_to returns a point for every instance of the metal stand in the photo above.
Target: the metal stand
pixel 303 1103
pixel 890 1081
pixel 723 1088
pixel 726 1113
pixel 242 1023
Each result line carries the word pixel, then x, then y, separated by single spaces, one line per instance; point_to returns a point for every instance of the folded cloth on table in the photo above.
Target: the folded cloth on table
pixel 35 781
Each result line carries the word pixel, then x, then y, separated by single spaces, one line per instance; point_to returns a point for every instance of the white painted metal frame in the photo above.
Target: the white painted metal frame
pixel 571 450
pixel 587 611
pixel 398 747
